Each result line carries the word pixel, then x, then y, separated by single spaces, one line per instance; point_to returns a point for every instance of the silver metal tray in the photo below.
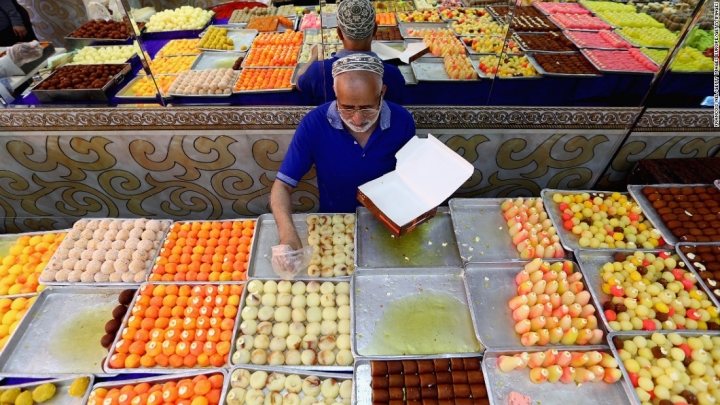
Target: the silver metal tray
pixel 48 96
pixel 408 74
pixel 500 384
pixel 46 341
pixel 109 283
pixel 539 68
pixel 284 90
pixel 488 16
pixel 473 52
pixel 431 244
pixel 569 240
pixel 235 78
pixel 564 27
pixel 77 43
pixel 7 240
pixel 160 55
pixel 489 288
pixel 403 26
pixel 651 214
pixel 155 369
pixel 634 399
pixel 266 236
pixel 288 371
pixel 236 330
pixel 481 231
pixel 168 377
pixel 372 290
pixel 206 59
pixel 362 388
pixel 246 66
pixel 62 385
pixel 691 268
pixel 127 87
pixel 240 36
pixel 569 33
pixel 494 76
pixel 433 70
pixel 717 183
pixel 516 37
pixel 294 78
pixel 317 31
pixel 591 262
pixel 642 72
pixel 147 279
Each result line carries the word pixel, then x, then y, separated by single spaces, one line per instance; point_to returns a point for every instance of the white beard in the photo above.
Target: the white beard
pixel 362 128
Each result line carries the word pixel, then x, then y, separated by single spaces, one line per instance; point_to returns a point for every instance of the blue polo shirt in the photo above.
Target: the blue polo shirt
pixel 320 88
pixel 342 165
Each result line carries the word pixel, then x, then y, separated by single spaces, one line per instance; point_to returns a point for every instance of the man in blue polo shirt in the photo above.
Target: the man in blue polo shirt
pixel 356 27
pixel 350 141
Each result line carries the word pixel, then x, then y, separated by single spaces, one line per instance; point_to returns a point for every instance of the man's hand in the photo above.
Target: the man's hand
pixel 314 51
pixel 281 206
pixel 20 31
pixel 25 52
pixel 287 262
pixel 291 238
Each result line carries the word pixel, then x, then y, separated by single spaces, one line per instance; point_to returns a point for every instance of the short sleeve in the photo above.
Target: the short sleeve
pixel 305 82
pixel 298 159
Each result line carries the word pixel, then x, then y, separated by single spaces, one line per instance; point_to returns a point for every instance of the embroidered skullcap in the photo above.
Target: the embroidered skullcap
pixel 358 62
pixel 356 19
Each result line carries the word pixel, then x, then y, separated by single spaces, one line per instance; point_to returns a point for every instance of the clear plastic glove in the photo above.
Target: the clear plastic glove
pixel 287 263
pixel 25 52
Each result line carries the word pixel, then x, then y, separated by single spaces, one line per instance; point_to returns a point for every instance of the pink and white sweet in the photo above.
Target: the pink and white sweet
pixel 579 22
pixel 599 39
pixel 632 60
pixel 561 8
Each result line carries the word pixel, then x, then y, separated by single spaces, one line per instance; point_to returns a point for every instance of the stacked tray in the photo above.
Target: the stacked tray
pixel 242 39
pixel 207 60
pixel 79 94
pixel 440 329
pixel 433 69
pixel 490 286
pixel 542 71
pixel 62 385
pixel 431 244
pixel 46 341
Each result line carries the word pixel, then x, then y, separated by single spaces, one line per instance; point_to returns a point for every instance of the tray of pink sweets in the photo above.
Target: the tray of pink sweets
pixel 579 22
pixel 630 61
pixel 597 39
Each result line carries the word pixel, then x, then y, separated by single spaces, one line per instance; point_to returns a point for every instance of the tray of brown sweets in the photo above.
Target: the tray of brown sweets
pixel 529 19
pixel 444 381
pixel 388 34
pixel 704 258
pixel 562 64
pixel 552 42
pixel 80 82
pixel 681 212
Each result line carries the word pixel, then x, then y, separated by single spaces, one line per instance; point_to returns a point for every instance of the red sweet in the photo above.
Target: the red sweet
pixel 617 291
pixel 633 379
pixel 648 324
pixel 610 315
pixel 664 254
pixel 687 284
pixel 684 347
pixel 677 273
pixel 693 314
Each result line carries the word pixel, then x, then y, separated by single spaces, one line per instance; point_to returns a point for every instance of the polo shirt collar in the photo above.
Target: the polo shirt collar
pixel 333 116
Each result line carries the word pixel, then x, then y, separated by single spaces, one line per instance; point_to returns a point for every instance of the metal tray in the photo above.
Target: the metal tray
pixel 165 378
pixel 651 214
pixel 160 55
pixel 206 59
pixel 245 63
pixel 294 78
pixel 717 183
pixel 403 26
pixel 500 384
pixel 408 74
pixel 539 68
pixel 155 369
pixel 176 34
pixel 109 283
pixel 516 37
pixel 266 236
pixel 284 90
pixel 692 268
pixel 241 37
pixel 489 288
pixel 363 379
pixel 373 289
pixel 287 371
pixel 229 26
pixel 77 43
pixel 195 282
pixel 634 399
pixel 235 78
pixel 133 60
pixel 643 72
pixel 485 76
pixel 316 31
pixel 62 385
pixel 236 330
pixel 46 341
pixel 569 33
pixel 48 96
pixel 433 70
pixel 473 52
pixel 547 13
pixel 569 240
pixel 431 244
pixel 590 263
pixel 636 44
pixel 7 240
pixel 127 87
pixel 563 27
pixel 481 231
